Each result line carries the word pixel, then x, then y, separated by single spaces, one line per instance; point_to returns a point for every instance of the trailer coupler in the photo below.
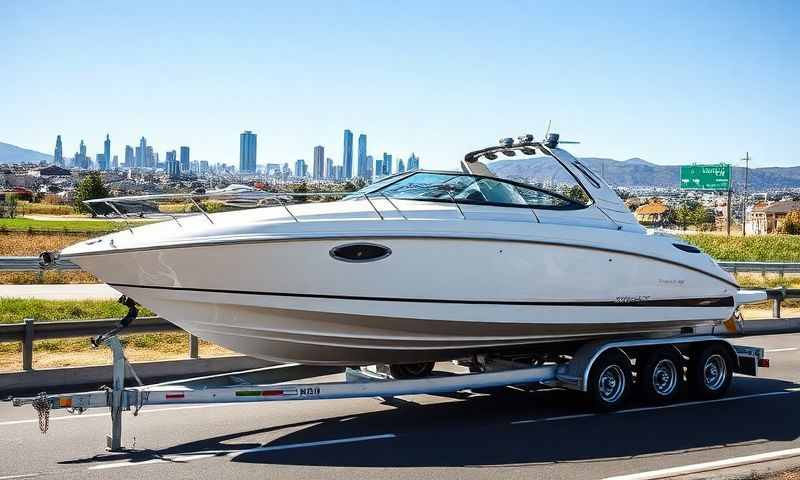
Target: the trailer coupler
pixel 133 312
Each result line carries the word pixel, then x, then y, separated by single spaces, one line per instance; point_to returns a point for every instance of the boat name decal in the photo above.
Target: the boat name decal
pixel 634 299
pixel 309 391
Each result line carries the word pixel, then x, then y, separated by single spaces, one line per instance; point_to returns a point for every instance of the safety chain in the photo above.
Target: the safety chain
pixel 42 406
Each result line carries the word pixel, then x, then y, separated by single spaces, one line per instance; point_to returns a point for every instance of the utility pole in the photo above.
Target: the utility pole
pixel 744 200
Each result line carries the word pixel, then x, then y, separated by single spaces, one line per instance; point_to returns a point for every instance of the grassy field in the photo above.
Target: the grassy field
pixel 27 208
pixel 755 248
pixel 23 243
pixel 14 310
pixel 21 224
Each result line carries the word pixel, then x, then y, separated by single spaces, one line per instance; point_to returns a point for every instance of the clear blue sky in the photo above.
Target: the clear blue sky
pixel 671 82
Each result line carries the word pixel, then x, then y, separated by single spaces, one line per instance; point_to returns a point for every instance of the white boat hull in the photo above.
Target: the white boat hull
pixel 431 299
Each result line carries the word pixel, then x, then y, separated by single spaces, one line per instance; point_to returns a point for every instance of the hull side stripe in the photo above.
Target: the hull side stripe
pixel 624 302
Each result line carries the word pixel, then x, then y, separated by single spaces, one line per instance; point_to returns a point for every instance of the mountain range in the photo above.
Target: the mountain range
pixel 636 172
pixel 14 154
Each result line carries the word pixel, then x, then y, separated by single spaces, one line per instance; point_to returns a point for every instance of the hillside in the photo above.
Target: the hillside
pixel 14 154
pixel 638 172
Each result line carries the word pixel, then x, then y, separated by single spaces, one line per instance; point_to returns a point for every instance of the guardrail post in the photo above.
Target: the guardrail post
pixel 193 347
pixel 776 307
pixel 27 346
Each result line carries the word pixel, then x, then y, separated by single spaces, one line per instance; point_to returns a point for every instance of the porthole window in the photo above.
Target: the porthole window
pixel 360 252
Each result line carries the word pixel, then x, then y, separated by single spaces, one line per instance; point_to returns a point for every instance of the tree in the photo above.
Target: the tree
pixel 791 224
pixel 692 212
pixel 91 187
pixel 577 194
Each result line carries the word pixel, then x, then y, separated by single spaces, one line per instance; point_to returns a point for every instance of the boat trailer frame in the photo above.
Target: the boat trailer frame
pixel 364 382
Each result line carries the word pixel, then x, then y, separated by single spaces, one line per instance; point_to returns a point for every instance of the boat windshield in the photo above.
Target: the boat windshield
pixel 474 189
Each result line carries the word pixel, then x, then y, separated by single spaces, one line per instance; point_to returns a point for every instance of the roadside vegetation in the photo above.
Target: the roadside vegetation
pixel 753 248
pixel 29 244
pixel 41 208
pixel 85 226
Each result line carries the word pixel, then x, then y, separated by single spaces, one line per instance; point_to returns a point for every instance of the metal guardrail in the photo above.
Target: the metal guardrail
pixel 29 331
pixel 31 264
pixel 760 267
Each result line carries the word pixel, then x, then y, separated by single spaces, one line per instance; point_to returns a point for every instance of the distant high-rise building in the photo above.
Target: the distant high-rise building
pixel 413 162
pixel 362 156
pixel 81 160
pixel 338 172
pixel 185 159
pixel 247 151
pixel 115 162
pixel 58 155
pixel 300 168
pixel 106 154
pixel 369 167
pixel 141 153
pixel 129 158
pixel 347 156
pixel 203 166
pixel 378 168
pixel 319 162
pixel 387 164
pixel 329 168
pixel 401 167
pixel 173 166
pixel 102 163
pixel 150 159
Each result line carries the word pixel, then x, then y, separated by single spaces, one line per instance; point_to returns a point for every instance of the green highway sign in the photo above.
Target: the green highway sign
pixel 706 177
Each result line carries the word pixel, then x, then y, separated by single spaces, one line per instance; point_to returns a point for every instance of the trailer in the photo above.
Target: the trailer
pixel 608 371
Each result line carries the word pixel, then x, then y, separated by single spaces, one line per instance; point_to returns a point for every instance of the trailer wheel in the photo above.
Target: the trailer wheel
pixel 407 371
pixel 661 375
pixel 610 380
pixel 710 372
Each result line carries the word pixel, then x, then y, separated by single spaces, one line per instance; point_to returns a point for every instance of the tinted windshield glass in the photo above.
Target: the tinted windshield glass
pixel 475 190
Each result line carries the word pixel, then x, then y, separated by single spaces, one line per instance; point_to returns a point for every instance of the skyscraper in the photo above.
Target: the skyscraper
pixel 82 161
pixel 115 163
pixel 378 168
pixel 362 156
pixel 247 151
pixel 106 154
pixel 329 168
pixel 319 161
pixel 173 166
pixel 347 156
pixel 141 153
pixel 413 162
pixel 185 159
pixel 150 159
pixel 58 155
pixel 387 164
pixel 369 167
pixel 300 168
pixel 102 163
pixel 401 167
pixel 129 158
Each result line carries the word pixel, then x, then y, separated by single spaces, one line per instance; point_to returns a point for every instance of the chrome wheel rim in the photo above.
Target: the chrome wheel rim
pixel 611 384
pixel 715 372
pixel 665 377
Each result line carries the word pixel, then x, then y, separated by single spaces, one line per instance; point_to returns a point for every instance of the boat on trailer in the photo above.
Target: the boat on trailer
pixel 418 267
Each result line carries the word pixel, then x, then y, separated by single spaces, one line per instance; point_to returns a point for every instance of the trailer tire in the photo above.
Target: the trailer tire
pixel 661 375
pixel 610 380
pixel 710 372
pixel 408 371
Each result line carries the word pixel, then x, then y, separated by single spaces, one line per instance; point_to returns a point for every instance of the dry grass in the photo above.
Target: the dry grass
pixel 26 208
pixel 72 352
pixel 53 277
pixel 23 243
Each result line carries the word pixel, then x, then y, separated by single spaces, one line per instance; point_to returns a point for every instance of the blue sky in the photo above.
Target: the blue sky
pixel 671 82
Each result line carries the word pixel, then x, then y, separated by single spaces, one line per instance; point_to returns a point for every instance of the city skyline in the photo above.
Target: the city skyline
pixel 681 83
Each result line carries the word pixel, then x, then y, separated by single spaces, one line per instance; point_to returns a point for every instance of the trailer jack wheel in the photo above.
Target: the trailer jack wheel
pixel 610 381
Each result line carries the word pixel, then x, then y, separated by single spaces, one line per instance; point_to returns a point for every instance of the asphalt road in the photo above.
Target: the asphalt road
pixel 509 434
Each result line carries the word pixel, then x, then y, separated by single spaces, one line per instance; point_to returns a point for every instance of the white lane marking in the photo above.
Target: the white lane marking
pixel 312 444
pixel 554 419
pixel 704 467
pixel 143 412
pixel 658 407
pixel 774 350
pixel 25 475
pixel 187 457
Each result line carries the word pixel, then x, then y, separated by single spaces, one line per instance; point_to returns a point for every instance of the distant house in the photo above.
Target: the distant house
pixel 768 217
pixel 653 212
pixel 49 171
